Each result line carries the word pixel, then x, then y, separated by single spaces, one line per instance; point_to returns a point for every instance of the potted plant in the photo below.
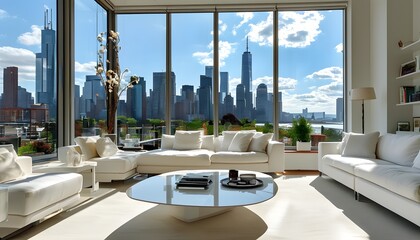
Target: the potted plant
pixel 301 134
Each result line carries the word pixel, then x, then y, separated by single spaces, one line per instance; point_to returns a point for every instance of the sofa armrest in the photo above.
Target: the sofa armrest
pixel 275 152
pixel 25 162
pixel 62 152
pixel 325 148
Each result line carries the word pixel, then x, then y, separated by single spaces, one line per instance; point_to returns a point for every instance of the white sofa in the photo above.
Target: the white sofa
pixel 385 169
pixel 34 196
pixel 264 155
pixel 259 154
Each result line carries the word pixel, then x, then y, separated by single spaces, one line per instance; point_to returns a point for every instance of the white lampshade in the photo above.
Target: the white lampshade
pixel 363 93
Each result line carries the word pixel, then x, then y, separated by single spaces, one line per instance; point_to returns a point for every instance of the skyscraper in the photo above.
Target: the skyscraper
pixel 240 101
pixel 261 103
pixel 45 69
pixel 10 87
pixel 93 98
pixel 339 109
pixel 246 79
pixel 136 101
pixel 205 97
pixel 224 86
pixel 158 94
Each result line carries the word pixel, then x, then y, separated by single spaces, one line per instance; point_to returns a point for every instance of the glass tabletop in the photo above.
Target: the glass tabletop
pixel 162 189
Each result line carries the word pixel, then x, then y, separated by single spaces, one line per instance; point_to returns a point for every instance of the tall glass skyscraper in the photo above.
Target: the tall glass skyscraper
pixel 45 69
pixel 246 80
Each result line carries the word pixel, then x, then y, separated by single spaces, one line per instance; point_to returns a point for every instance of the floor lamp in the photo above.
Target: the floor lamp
pixel 363 94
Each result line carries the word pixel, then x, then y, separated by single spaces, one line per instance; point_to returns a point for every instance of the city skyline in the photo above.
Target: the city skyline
pixel 316 85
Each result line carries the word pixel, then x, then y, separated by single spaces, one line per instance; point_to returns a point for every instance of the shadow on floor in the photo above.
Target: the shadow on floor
pixel 379 222
pixel 155 223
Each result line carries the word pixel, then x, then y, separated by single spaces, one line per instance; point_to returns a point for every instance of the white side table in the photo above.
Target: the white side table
pixel 89 182
pixel 4 203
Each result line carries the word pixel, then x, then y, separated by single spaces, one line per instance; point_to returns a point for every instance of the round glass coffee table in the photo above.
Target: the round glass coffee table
pixel 194 204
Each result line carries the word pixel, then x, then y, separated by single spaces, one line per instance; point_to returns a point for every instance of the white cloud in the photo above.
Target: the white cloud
pixel 262 32
pixel 88 67
pixel 3 14
pixel 339 48
pixel 31 38
pixel 330 73
pixel 246 17
pixel 299 29
pixel 21 58
pixel 225 50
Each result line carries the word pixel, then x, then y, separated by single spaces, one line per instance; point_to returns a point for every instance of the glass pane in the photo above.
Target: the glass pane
pixel 311 88
pixel 89 99
pixel 28 76
pixel 141 111
pixel 246 71
pixel 192 64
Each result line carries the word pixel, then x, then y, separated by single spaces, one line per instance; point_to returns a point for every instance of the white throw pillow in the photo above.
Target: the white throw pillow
pixel 228 137
pixel 187 140
pixel 9 168
pixel 401 149
pixel 416 162
pixel 241 141
pixel 88 146
pixel 361 145
pixel 105 147
pixel 208 142
pixel 259 142
pixel 167 141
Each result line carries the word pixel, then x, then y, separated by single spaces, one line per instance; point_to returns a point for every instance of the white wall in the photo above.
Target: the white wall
pixel 376 59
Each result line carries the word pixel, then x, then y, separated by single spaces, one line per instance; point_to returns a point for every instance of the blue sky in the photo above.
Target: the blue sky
pixel 311 58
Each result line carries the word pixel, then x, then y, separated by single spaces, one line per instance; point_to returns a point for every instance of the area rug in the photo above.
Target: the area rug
pixel 305 207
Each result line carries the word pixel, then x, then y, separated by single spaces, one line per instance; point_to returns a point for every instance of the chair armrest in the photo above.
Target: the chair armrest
pixel 62 152
pixel 325 148
pixel 275 152
pixel 25 162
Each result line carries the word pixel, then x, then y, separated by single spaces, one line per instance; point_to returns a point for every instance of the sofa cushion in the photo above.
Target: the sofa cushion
pixel 38 191
pixel 259 142
pixel 187 140
pixel 167 141
pixel 9 168
pixel 88 146
pixel 401 149
pixel 348 164
pixel 239 157
pixel 402 180
pixel 120 162
pixel 361 145
pixel 207 142
pixel 240 141
pixel 105 147
pixel 162 157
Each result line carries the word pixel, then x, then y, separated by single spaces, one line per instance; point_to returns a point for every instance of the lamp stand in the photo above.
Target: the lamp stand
pixel 363 116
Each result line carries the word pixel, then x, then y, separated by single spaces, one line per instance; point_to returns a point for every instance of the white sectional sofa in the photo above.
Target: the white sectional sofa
pixel 385 169
pixel 33 196
pixel 255 152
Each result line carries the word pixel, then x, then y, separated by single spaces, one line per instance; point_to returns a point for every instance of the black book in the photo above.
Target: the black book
pixel 194 182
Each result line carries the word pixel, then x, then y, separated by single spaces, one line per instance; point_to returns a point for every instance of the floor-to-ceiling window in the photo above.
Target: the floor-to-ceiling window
pixel 311 71
pixel 246 71
pixel 192 71
pixel 28 77
pixel 89 93
pixel 143 47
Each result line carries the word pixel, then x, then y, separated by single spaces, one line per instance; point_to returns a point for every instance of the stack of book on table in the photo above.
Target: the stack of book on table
pixel 194 182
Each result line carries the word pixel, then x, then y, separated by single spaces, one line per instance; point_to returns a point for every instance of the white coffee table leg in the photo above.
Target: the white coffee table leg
pixel 191 214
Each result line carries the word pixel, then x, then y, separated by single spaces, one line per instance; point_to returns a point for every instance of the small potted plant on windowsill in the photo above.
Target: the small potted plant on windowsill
pixel 301 134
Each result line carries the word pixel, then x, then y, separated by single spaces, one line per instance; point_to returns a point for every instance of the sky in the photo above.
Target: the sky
pixel 310 48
